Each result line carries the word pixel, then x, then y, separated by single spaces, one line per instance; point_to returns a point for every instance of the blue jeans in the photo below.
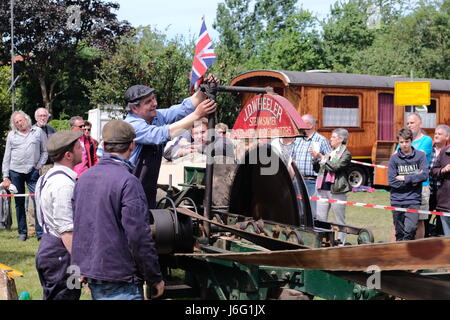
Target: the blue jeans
pixel 311 187
pixel 116 291
pixel 19 180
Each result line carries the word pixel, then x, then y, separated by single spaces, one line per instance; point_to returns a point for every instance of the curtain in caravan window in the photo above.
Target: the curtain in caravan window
pixel 386 117
pixel 341 111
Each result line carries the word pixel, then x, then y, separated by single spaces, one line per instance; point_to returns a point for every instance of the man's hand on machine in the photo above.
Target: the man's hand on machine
pixel 205 107
pixel 210 78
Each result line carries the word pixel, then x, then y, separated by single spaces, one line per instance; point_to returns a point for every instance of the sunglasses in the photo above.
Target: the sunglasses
pixel 85 129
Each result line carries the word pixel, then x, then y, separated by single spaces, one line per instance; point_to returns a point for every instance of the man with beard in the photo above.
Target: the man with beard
pixel 25 154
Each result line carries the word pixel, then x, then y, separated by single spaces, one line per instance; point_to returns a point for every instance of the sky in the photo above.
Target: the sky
pixel 184 16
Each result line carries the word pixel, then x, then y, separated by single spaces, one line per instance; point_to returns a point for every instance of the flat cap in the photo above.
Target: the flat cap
pixel 61 140
pixel 118 131
pixel 137 92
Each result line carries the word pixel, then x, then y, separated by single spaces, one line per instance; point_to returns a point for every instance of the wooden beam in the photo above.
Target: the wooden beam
pixel 421 254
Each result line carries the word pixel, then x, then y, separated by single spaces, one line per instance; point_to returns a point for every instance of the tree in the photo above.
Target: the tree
pixel 418 42
pixel 146 57
pixel 345 32
pixel 263 34
pixel 49 39
pixel 295 47
pixel 5 105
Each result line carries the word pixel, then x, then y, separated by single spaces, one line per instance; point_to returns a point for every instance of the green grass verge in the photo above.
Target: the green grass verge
pixel 21 254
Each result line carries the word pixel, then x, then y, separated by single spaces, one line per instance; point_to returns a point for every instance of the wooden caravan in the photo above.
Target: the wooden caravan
pixel 363 104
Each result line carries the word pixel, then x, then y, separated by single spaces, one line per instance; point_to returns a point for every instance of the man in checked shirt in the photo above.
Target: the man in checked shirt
pixel 303 159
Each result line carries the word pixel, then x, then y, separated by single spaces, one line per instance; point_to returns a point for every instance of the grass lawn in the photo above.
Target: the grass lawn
pixel 378 221
pixel 21 254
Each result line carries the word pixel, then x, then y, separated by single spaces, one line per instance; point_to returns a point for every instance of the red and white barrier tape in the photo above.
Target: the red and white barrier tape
pixel 375 206
pixel 347 203
pixel 369 164
pixel 16 195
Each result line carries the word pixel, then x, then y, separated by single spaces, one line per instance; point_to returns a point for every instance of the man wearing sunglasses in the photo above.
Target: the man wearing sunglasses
pixel 89 145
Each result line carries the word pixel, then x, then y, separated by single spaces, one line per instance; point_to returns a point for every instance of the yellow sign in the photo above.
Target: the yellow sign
pixel 412 93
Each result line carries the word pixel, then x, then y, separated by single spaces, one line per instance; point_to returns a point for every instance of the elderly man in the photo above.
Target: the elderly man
pixel 25 155
pixel 54 193
pixel 440 141
pixel 304 159
pixel 41 116
pixel 112 242
pixel 423 143
pixel 154 128
pixel 441 171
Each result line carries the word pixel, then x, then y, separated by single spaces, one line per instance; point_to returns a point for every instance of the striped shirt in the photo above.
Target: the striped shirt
pixel 55 200
pixel 303 158
pixel 434 183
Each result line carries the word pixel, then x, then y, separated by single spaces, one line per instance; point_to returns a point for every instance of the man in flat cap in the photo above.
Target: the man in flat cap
pixel 112 242
pixel 154 128
pixel 54 211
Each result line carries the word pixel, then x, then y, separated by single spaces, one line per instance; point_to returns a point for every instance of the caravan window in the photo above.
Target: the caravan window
pixel 427 113
pixel 341 111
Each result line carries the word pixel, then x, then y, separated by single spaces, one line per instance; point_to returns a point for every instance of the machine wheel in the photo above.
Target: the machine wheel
pixel 357 177
pixel 365 236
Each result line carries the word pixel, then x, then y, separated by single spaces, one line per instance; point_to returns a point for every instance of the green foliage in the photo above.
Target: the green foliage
pixel 345 32
pixel 50 49
pixel 264 34
pixel 73 72
pixel 5 105
pixel 5 97
pixel 270 35
pixel 60 124
pixel 144 56
pixel 295 46
pixel 418 42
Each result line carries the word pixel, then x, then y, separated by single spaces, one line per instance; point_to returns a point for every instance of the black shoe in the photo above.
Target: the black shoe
pixel 22 237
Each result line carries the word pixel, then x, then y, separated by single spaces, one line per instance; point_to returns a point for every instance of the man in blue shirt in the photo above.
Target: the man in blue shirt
pixel 154 128
pixel 423 143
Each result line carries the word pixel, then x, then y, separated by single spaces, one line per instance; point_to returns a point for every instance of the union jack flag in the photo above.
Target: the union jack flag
pixel 204 57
